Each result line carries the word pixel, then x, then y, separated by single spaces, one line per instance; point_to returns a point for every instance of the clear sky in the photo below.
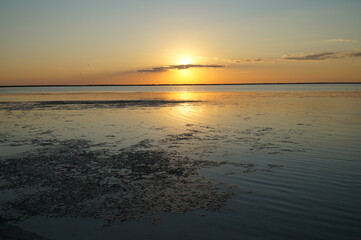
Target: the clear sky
pixel 172 42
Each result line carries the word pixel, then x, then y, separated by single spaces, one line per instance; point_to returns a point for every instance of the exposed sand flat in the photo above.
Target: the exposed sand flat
pixel 63 105
pixel 10 232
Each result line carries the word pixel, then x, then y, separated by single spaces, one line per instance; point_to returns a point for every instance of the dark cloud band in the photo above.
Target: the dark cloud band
pixel 323 56
pixel 301 57
pixel 178 67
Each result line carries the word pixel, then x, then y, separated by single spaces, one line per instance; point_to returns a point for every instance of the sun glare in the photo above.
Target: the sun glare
pixel 185 61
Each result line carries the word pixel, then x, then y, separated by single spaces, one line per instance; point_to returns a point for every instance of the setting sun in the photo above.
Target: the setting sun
pixel 185 60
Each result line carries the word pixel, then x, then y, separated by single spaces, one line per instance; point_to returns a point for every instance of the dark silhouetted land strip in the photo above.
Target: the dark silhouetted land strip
pixel 213 84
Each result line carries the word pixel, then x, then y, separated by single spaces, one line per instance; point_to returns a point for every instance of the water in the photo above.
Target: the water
pixel 303 140
pixel 194 88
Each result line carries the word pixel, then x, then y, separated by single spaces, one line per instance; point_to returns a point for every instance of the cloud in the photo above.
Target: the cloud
pixel 339 40
pixel 300 57
pixel 252 60
pixel 310 56
pixel 322 56
pixel 179 67
pixel 352 54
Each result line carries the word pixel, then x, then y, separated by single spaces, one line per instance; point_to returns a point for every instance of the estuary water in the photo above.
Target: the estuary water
pixel 182 162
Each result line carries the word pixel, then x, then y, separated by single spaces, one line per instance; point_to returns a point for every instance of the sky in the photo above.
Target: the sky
pixel 79 42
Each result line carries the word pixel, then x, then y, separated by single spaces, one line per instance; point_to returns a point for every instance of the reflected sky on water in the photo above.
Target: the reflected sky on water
pixel 313 132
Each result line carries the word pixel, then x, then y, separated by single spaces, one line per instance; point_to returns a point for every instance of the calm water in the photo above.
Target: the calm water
pixel 197 88
pixel 304 141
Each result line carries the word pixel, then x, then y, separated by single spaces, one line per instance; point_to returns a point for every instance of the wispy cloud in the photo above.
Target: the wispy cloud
pixel 353 54
pixel 310 56
pixel 251 60
pixel 322 56
pixel 179 67
pixel 300 57
pixel 339 40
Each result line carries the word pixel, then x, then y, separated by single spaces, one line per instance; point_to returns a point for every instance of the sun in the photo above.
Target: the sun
pixel 185 60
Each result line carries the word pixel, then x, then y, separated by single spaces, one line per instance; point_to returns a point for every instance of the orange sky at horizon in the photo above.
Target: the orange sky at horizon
pixel 167 42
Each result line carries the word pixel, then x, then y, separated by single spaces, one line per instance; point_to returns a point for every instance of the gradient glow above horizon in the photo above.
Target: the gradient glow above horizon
pixel 179 42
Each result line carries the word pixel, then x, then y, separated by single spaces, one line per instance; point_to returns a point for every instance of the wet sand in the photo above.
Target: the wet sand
pixel 10 232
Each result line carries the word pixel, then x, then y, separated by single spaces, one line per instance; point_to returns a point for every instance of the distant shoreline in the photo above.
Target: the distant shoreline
pixel 159 85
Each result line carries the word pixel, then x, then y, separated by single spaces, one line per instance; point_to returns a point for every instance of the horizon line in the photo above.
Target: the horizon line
pixel 181 84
